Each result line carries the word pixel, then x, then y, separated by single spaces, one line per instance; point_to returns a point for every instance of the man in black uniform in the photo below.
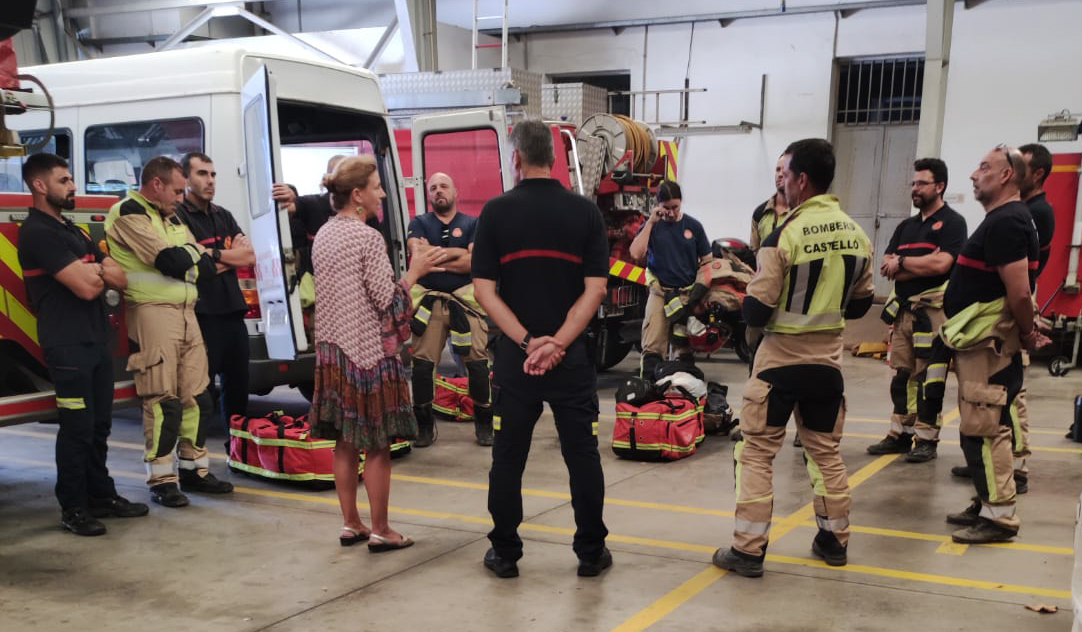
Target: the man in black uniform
pixel 1038 166
pixel 989 307
pixel 310 212
pixel 221 307
pixel 918 258
pixel 65 274
pixel 540 262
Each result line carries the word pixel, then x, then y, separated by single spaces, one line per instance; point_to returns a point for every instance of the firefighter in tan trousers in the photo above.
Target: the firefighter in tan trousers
pixel 444 304
pixel 163 261
pixel 813 273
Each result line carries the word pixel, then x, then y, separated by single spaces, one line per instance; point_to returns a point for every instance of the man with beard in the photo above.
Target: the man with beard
pixel 65 274
pixel 919 259
pixel 221 307
pixel 444 303
pixel 771 213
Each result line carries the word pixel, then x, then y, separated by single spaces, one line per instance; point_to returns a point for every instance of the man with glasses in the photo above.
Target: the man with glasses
pixel 674 245
pixel 918 259
pixel 989 308
pixel 770 214
pixel 444 304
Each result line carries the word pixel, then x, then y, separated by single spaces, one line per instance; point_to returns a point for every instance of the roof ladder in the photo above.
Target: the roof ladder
pixel 503 38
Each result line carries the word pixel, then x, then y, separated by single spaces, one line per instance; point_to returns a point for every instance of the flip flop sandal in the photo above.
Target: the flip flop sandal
pixel 380 544
pixel 356 535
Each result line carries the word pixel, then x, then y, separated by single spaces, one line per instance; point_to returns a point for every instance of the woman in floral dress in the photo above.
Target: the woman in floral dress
pixel 362 392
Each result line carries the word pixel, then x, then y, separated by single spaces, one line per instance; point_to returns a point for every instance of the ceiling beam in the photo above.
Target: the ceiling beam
pixel 145 5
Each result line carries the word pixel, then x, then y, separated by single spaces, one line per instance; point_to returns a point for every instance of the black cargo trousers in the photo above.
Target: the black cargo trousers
pixel 83 378
pixel 571 392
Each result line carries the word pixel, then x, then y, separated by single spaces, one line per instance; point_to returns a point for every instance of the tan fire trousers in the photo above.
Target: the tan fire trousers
pixel 798 375
pixel 170 372
pixel 657 332
pixel 903 358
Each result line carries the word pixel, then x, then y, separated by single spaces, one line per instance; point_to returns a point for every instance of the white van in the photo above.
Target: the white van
pixel 248 112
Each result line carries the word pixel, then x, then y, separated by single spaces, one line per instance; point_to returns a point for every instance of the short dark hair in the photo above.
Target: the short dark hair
pixel 668 190
pixel 934 165
pixel 815 157
pixel 533 141
pixel 1039 158
pixel 160 167
pixel 40 164
pixel 186 161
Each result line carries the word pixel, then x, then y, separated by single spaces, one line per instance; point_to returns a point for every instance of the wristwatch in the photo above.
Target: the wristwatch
pixel 525 341
pixel 901 262
pixel 216 255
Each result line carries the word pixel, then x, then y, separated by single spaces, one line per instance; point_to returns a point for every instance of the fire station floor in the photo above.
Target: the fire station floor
pixel 267 557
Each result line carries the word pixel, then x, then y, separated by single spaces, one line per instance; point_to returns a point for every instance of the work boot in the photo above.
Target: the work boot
pixel 962 471
pixel 501 567
pixel 81 522
pixel 797 443
pixel 983 532
pixel 739 563
pixel 426 426
pixel 892 445
pixel 826 546
pixel 168 495
pixel 482 425
pixel 923 452
pixel 191 481
pixel 1021 483
pixel 968 516
pixel 117 507
pixel 593 568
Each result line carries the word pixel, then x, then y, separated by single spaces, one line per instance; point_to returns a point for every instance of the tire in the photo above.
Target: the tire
pixel 307 389
pixel 611 349
pixel 1057 366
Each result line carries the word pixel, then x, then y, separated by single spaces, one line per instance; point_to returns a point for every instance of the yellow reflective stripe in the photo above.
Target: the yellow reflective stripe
pixel 453 412
pixel 19 315
pixel 459 339
pixel 451 386
pixel 617 267
pixel 71 403
pixel 935 373
pixel 791 322
pixel 594 426
pixel 818 484
pixel 673 306
pixel 9 255
pixel 923 339
pixel 305 476
pixel 911 388
pixel 399 445
pixel 423 314
pixel 496 419
pixel 669 417
pixel 286 443
pixel 654 446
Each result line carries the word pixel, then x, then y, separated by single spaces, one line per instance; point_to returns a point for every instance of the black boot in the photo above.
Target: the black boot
pixel 482 425
pixel 648 366
pixel 426 426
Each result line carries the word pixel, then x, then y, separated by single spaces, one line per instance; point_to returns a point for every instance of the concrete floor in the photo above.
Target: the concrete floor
pixel 267 558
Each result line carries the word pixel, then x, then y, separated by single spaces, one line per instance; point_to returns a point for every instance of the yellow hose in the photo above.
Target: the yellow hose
pixel 638 142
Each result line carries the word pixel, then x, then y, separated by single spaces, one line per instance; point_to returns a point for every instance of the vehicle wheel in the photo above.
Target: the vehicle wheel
pixel 1057 366
pixel 611 349
pixel 307 389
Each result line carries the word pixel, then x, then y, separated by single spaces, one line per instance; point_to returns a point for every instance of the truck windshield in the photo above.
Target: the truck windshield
pixel 116 152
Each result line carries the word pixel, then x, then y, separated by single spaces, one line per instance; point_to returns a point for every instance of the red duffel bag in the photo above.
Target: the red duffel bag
pixel 452 398
pixel 664 430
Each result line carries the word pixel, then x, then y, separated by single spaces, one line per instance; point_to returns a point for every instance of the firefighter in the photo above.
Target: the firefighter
pixel 989 308
pixel 221 307
pixel 918 259
pixel 65 275
pixel 813 274
pixel 674 246
pixel 443 303
pixel 770 214
pixel 163 263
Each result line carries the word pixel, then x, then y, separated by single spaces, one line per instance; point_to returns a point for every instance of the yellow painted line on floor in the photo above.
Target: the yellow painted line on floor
pixel 941 580
pixel 686 591
pixel 952 548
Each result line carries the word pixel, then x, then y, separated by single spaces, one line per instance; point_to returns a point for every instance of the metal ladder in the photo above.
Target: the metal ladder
pixel 503 39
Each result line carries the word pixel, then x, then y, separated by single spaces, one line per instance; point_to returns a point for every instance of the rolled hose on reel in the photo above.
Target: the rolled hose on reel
pixel 621 134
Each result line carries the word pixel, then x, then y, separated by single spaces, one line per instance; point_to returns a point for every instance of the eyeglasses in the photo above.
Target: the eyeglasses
pixel 921 183
pixel 1007 153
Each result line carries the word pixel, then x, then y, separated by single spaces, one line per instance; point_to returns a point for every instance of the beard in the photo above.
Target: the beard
pixel 67 203
pixel 923 201
pixel 442 205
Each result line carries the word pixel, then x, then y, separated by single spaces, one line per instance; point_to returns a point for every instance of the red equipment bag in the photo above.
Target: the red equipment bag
pixel 8 65
pixel 453 399
pixel 281 448
pixel 668 429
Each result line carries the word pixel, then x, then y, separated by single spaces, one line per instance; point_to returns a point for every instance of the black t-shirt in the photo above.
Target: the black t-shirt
pixel 915 236
pixel 46 247
pixel 312 212
pixel 1044 218
pixel 539 241
pixel 215 228
pixel 457 233
pixel 1006 235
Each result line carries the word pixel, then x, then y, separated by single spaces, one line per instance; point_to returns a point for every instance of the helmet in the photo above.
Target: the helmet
pixel 636 391
pixel 737 247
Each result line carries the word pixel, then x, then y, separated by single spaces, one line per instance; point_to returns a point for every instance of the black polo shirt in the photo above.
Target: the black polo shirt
pixel 1006 235
pixel 457 233
pixel 1044 218
pixel 915 236
pixel 539 241
pixel 47 246
pixel 220 294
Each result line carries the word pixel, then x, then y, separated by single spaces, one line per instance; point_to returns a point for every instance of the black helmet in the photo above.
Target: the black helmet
pixel 636 391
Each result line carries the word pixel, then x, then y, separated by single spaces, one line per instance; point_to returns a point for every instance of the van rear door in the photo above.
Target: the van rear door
pixel 471 147
pixel 281 323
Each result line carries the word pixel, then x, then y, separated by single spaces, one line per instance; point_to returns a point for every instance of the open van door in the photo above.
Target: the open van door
pixel 282 323
pixel 471 147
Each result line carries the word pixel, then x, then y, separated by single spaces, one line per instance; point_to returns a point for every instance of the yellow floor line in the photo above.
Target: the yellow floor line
pixel 952 548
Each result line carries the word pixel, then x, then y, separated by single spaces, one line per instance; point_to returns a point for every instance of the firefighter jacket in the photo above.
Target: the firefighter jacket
pixel 932 297
pixel 765 220
pixel 982 324
pixel 814 272
pixel 461 305
pixel 159 254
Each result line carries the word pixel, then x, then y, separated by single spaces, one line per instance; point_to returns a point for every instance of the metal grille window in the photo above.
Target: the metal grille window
pixel 880 91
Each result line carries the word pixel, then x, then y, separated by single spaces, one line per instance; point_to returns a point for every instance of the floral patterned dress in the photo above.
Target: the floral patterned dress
pixel 362 391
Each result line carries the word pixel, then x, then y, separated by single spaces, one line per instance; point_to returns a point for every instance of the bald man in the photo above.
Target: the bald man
pixel 443 304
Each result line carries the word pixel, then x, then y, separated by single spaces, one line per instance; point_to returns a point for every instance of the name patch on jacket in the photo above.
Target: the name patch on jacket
pixel 830 246
pixel 828 227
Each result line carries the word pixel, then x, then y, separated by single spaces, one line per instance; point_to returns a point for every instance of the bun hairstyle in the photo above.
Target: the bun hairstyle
pixel 668 190
pixel 352 173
